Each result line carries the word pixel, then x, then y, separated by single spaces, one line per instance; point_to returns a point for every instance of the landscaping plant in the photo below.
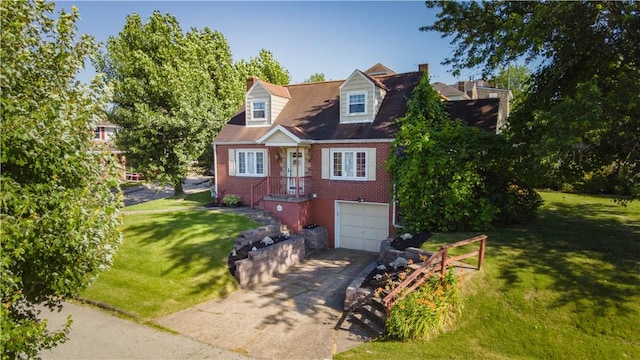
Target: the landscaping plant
pixel 426 311
pixel 231 200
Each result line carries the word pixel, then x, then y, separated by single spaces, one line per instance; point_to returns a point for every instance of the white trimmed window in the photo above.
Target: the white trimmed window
pixel 349 164
pixel 250 162
pixel 259 110
pixel 357 103
pixel 96 133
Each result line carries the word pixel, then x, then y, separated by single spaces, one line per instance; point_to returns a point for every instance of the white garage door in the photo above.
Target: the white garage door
pixel 361 226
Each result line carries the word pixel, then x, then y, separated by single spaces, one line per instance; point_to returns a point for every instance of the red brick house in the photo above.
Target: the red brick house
pixel 316 152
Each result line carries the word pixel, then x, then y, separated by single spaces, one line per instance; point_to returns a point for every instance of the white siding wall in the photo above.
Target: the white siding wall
pixel 277 104
pixel 379 96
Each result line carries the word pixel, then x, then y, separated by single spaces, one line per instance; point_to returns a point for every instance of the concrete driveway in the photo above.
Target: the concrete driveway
pixel 291 317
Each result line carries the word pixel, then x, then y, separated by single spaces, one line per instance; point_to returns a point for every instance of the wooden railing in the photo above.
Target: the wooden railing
pixel 429 267
pixel 280 186
pixel 259 191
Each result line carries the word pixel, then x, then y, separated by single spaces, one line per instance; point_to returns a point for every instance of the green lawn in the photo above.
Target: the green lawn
pixel 170 260
pixel 564 287
pixel 195 200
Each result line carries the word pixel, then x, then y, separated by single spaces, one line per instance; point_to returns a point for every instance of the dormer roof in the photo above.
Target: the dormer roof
pixel 276 90
pixel 373 80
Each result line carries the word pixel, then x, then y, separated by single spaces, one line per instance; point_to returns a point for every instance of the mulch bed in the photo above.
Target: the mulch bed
pixel 416 241
pixel 372 281
pixel 243 252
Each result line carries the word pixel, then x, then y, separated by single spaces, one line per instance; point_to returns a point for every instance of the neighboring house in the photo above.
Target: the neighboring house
pixel 315 153
pixel 478 89
pixel 103 136
pixel 451 93
pixel 104 132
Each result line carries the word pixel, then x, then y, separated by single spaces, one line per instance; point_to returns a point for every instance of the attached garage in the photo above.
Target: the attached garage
pixel 361 226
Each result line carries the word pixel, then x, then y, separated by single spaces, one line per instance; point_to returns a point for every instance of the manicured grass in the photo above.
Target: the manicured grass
pixel 170 260
pixel 564 287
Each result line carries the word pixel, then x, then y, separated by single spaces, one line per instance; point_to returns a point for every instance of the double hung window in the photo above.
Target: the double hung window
pixel 259 110
pixel 250 162
pixel 349 164
pixel 357 103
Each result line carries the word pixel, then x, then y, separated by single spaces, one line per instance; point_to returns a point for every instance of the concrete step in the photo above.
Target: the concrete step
pixel 370 317
pixel 372 314
pixel 378 305
pixel 367 324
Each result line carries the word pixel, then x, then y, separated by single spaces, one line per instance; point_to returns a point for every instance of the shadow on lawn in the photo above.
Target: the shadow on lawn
pixel 589 251
pixel 199 243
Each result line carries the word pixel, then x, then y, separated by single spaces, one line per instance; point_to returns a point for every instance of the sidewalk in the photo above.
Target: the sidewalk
pixel 96 334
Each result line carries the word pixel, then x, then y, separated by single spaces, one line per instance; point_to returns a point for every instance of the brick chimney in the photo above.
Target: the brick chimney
pixel 250 81
pixel 424 68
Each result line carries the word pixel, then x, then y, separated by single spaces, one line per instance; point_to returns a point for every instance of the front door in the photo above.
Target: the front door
pixel 295 171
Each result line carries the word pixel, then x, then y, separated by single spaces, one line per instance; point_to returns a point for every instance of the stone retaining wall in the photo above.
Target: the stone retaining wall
pixel 356 296
pixel 263 263
pixel 315 239
pixel 256 235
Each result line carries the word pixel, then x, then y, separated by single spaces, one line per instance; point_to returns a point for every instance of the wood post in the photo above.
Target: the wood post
pixel 443 263
pixel 483 244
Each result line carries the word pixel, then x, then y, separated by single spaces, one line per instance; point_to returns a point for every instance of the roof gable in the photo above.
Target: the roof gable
pixel 275 90
pixel 282 136
pixel 379 69
pixel 449 91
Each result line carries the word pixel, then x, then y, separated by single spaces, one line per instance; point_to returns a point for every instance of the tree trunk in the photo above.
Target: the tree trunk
pixel 177 188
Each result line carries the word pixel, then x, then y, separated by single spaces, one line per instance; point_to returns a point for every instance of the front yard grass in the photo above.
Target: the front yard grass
pixel 566 286
pixel 170 260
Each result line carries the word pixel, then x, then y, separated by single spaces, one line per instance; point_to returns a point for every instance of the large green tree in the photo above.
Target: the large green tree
pixel 173 91
pixel 582 111
pixel 59 220
pixel 450 176
pixel 515 78
pixel 315 77
pixel 265 67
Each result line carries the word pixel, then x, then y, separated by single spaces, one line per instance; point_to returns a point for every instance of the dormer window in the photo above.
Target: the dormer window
pixel 259 109
pixel 357 103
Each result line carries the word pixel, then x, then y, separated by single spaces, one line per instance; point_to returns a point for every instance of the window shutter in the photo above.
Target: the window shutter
pixel 371 164
pixel 326 154
pixel 232 162
pixel 265 163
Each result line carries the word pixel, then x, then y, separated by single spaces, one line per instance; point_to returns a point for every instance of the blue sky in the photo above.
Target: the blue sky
pixel 306 37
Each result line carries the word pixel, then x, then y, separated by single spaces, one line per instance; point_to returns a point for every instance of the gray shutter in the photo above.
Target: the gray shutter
pixel 232 162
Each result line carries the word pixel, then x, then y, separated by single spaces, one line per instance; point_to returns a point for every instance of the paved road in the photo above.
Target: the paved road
pixel 148 192
pixel 96 334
